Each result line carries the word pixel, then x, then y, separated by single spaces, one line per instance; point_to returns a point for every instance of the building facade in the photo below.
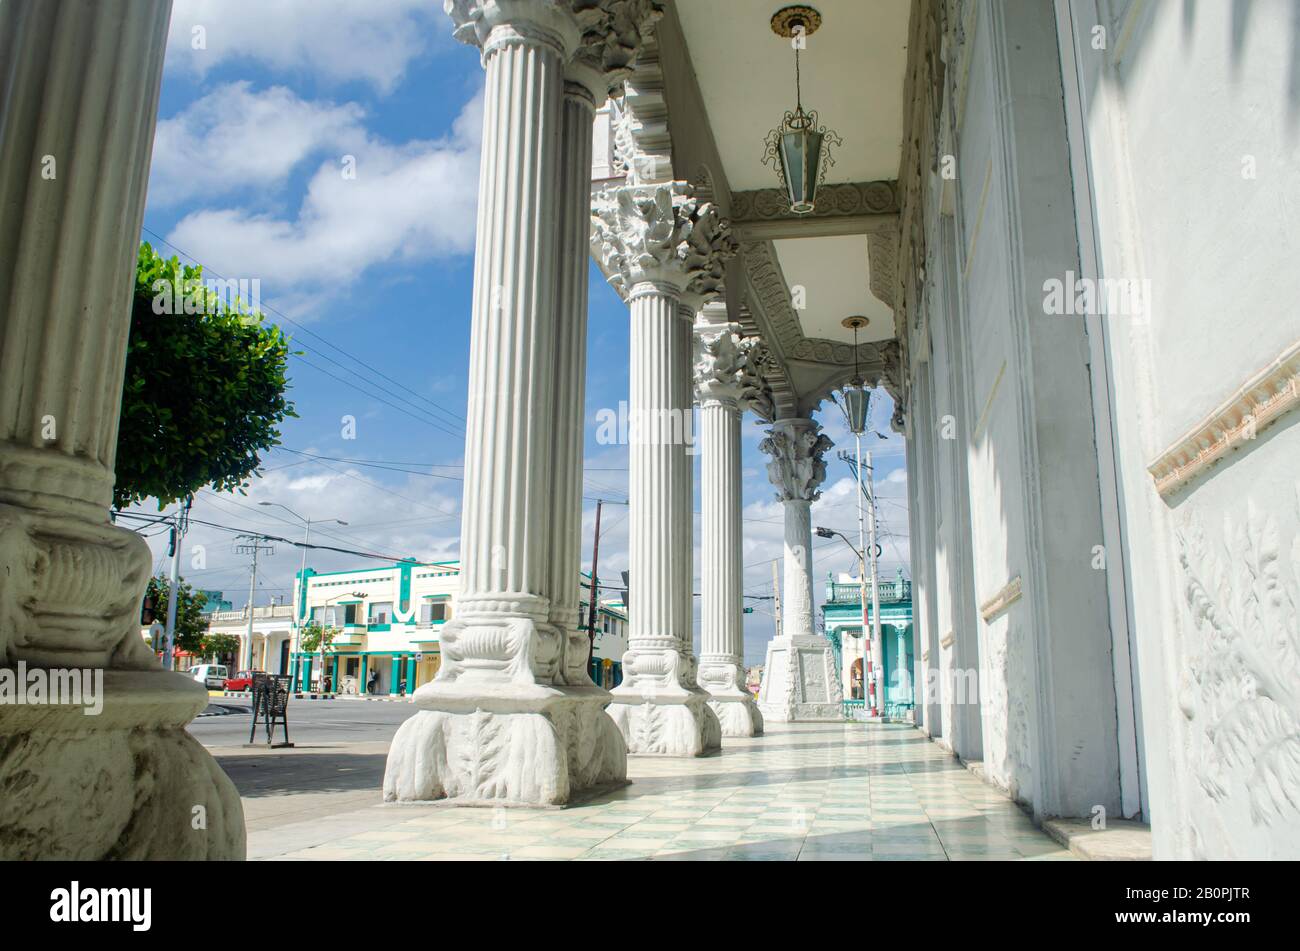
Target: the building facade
pixel 1069 226
pixel 893 672
pixel 387 623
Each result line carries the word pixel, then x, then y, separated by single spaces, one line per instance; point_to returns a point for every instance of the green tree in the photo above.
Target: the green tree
pixel 214 645
pixel 312 632
pixel 204 389
pixel 191 624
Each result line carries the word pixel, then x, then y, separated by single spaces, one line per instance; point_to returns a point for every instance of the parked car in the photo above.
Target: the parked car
pixel 243 680
pixel 212 676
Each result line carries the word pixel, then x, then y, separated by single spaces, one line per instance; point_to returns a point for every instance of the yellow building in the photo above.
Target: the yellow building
pixel 387 621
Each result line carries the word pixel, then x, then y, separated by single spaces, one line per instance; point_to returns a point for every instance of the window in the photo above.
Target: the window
pixel 381 612
pixel 433 612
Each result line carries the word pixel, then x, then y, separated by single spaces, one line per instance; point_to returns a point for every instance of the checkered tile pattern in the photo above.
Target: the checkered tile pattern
pixel 806 792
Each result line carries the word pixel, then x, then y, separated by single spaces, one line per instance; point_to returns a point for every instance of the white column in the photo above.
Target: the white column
pixel 720 360
pixel 511 715
pixel 661 245
pixel 799 678
pixel 80 89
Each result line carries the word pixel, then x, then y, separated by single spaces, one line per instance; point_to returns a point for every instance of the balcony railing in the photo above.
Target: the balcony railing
pixel 890 592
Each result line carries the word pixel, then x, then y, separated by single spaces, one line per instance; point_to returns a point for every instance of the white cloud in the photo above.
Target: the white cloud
pixel 235 138
pixel 337 40
pixel 407 202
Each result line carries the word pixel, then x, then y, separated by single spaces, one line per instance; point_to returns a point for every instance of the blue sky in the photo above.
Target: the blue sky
pixel 329 150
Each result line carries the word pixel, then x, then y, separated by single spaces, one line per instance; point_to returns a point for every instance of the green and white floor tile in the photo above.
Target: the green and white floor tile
pixel 802 792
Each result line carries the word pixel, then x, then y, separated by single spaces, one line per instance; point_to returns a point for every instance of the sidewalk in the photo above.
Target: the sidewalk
pixel 811 792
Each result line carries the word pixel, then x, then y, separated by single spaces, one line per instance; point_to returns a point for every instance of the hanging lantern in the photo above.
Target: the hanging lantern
pixel 799 148
pixel 857 398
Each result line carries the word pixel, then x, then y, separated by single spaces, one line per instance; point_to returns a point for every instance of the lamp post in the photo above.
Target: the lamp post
pixel 868 682
pixel 856 405
pixel 302 579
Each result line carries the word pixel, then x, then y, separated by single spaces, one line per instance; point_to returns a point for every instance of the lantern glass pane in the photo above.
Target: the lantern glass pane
pixel 856 402
pixel 801 159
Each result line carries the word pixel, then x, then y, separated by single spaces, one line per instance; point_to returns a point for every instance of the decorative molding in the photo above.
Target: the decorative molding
pixel 833 201
pixel 1006 597
pixel 842 209
pixel 1257 403
pixel 773 293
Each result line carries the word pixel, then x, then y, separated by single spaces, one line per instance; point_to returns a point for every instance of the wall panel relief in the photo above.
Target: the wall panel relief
pixel 1239 682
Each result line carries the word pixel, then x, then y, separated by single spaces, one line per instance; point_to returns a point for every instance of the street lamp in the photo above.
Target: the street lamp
pixel 302 579
pixel 867 648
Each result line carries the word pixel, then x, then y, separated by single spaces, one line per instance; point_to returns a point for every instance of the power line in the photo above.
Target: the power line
pixel 455 418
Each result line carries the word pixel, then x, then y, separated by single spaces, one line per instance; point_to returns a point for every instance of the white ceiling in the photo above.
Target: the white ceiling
pixel 852 69
pixel 834 273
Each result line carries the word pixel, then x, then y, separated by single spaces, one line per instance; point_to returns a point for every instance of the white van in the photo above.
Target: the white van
pixel 212 676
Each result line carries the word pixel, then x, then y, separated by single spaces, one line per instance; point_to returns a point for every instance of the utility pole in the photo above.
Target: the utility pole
pixel 876 645
pixel 180 524
pixel 591 610
pixel 251 545
pixel 776 596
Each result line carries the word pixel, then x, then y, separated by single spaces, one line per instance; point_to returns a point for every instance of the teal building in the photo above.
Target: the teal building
pixel 842 624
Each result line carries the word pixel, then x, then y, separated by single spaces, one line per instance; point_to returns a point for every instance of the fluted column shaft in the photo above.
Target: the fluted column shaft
pixel 79 86
pixel 720 539
pixel 508 452
pixel 660 548
pixel 570 371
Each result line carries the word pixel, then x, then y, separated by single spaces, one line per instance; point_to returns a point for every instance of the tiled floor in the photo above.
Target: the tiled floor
pixel 806 792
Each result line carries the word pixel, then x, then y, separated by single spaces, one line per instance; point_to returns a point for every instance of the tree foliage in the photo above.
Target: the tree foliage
pixel 214 645
pixel 204 389
pixel 312 633
pixel 191 624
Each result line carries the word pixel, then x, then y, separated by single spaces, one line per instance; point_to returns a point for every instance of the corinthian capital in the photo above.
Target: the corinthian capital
pixel 486 23
pixel 797 468
pixel 613 32
pixel 661 234
pixel 720 358
pixel 756 390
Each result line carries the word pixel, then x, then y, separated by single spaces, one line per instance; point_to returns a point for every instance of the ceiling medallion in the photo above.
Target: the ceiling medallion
pixel 800 147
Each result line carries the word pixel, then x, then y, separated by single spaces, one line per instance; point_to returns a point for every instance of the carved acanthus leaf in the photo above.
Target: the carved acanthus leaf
pixel 797 448
pixel 663 234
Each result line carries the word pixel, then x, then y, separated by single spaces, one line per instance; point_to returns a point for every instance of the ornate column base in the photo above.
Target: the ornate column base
pixel 658 708
pixel 799 681
pixel 485 740
pixel 723 676
pixel 129 783
pixel 679 724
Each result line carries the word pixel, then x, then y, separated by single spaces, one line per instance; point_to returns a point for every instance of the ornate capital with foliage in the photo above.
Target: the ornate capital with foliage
pixel 661 234
pixel 756 389
pixel 720 358
pixel 797 468
pixel 603 35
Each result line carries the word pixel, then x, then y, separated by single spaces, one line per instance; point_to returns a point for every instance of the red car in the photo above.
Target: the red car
pixel 243 680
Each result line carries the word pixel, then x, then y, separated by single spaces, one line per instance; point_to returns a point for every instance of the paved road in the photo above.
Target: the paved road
pixel 336 765
pixel 310 721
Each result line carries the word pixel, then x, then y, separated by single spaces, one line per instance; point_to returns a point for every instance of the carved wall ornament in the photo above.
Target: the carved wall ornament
pixel 798 467
pixel 1239 688
pixel 661 234
pixel 833 201
pixel 613 34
